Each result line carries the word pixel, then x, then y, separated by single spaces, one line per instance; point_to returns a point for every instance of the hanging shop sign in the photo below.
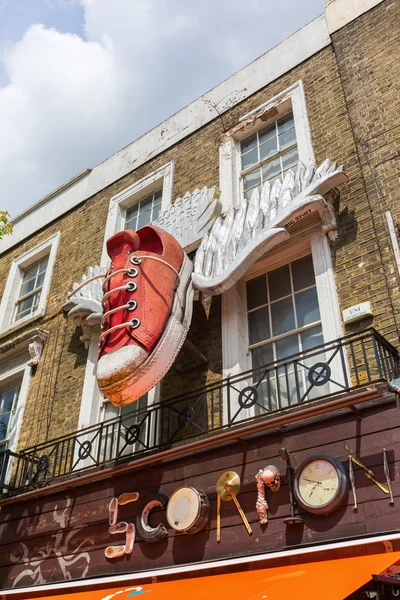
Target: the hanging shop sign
pixel 145 301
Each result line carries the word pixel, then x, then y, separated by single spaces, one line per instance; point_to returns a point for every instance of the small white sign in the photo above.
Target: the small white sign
pixel 357 312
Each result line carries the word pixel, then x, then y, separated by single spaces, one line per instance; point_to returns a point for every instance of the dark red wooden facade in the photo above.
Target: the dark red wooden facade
pixel 58 536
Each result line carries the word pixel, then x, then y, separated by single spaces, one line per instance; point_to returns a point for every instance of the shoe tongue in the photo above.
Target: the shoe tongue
pixel 121 242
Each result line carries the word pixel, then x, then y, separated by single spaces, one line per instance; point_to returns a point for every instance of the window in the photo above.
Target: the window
pixel 264 144
pixel 268 154
pixel 144 212
pixel 139 204
pixel 282 312
pixel 284 318
pixel 131 415
pixel 28 285
pixel 31 289
pixel 8 405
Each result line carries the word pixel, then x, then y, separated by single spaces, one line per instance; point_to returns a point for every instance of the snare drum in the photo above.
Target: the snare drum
pixel 188 510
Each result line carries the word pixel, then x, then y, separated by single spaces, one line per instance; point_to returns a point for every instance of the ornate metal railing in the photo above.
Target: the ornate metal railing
pixel 344 365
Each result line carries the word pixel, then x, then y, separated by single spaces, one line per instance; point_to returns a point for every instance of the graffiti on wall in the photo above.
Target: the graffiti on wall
pixel 60 546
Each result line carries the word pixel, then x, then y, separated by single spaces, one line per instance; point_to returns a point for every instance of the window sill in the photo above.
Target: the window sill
pixel 21 323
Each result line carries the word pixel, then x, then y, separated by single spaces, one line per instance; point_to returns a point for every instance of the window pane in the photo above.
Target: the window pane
pixel 158 196
pixel 259 329
pixel 4 419
pixel 156 212
pixel 290 159
pixel 307 307
pixel 282 316
pixel 131 213
pixel 30 272
pixel 252 179
pixel 285 122
pixel 43 266
pixel 272 169
pixel 303 273
pixel 256 290
pixel 312 337
pixel 279 283
pixel 290 389
pixel 144 219
pixel 131 217
pixel 250 158
pixel 287 346
pixel 8 400
pixel 145 204
pixel 287 139
pixel 110 411
pixel 249 143
pixel 267 134
pixel 40 280
pixel 268 149
pixel 27 286
pixel 262 355
pixel 25 306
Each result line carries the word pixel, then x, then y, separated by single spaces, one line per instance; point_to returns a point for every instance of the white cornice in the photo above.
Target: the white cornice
pixel 339 13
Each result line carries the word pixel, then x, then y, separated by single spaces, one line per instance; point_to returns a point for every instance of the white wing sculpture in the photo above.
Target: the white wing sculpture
pixel 237 240
pixel 190 217
pixel 86 302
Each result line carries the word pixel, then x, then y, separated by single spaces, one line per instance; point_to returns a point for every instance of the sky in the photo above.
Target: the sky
pixel 81 79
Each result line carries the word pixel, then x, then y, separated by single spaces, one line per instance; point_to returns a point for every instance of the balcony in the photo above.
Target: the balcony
pixel 253 398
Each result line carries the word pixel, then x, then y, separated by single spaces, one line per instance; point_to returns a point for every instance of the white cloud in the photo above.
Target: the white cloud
pixel 71 102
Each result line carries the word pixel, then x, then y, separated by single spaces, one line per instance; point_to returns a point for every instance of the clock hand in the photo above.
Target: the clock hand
pixel 312 491
pixel 312 481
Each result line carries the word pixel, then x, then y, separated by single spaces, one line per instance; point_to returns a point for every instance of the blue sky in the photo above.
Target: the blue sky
pixel 80 79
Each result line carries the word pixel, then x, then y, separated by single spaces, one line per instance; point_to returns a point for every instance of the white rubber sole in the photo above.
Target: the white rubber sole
pixel 152 370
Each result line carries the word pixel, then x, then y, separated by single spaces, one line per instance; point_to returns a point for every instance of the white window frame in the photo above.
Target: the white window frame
pixel 161 178
pixel 21 373
pixel 291 99
pixel 236 357
pixel 11 291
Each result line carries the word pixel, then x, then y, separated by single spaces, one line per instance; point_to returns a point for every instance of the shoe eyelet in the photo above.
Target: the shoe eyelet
pixel 131 286
pixel 132 304
pixel 135 260
pixel 132 272
pixel 135 323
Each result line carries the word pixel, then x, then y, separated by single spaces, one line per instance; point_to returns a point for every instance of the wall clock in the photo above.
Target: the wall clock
pixel 320 484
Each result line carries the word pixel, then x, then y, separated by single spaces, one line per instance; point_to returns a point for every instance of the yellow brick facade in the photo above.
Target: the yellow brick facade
pixel 352 90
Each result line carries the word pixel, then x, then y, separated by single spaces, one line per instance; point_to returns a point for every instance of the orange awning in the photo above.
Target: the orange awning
pixel 331 580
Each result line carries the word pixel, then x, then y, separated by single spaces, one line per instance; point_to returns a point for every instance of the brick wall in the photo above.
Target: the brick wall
pixel 352 100
pixel 367 53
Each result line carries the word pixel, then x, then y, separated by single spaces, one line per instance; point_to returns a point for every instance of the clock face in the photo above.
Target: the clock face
pixel 320 484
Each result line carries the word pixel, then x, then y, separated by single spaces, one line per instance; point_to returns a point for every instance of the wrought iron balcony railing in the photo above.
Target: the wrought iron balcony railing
pixel 337 367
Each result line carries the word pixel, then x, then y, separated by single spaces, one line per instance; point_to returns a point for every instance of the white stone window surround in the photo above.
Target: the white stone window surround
pixel 11 291
pixel 235 354
pixel 290 99
pixel 19 374
pixel 160 178
pixel 90 412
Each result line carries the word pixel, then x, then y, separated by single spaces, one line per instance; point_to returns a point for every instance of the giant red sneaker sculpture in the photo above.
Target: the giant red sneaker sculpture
pixel 147 309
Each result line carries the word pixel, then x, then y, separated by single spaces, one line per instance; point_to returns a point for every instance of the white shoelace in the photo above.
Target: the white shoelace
pixel 130 286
